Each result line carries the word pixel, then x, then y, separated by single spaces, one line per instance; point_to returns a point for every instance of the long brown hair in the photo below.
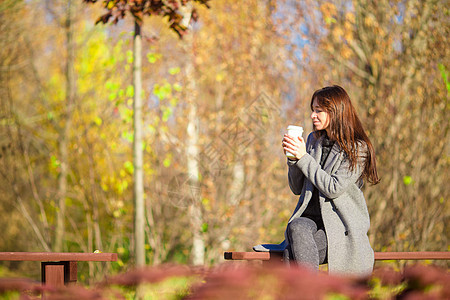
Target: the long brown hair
pixel 346 128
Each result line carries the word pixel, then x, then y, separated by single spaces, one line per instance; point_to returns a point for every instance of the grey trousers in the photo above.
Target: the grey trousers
pixel 307 244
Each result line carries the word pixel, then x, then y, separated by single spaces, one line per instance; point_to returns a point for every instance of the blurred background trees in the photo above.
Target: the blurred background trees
pixel 218 102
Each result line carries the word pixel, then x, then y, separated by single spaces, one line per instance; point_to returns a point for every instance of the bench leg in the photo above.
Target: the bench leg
pixel 72 273
pixel 52 274
pixel 59 273
pixel 276 258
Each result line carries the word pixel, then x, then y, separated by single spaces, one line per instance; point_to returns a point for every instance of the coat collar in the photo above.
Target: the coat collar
pixel 316 150
pixel 333 157
pixel 316 153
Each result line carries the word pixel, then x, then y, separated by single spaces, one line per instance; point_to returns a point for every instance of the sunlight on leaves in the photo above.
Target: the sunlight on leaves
pixel 177 87
pixel 407 180
pixel 173 71
pixel 167 161
pixel 128 165
pixel 153 57
pixel 129 56
pixel 129 91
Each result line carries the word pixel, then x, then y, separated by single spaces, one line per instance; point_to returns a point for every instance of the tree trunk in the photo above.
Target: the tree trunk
pixel 195 211
pixel 237 185
pixel 195 208
pixel 139 234
pixel 65 132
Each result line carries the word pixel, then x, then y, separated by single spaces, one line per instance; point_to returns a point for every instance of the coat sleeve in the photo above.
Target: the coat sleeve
pixel 295 175
pixel 331 185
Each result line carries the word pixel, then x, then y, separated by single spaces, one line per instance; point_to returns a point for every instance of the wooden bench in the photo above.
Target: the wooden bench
pixel 58 268
pixel 276 257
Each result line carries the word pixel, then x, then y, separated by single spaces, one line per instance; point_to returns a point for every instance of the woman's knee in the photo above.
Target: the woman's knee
pixel 320 238
pixel 302 226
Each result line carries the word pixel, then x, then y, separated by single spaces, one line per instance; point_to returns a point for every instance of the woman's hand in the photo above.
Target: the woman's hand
pixel 296 146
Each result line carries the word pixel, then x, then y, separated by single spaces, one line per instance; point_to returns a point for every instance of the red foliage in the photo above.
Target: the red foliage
pixel 426 282
pixel 15 284
pixel 24 286
pixel 148 275
pixel 388 276
pixel 426 275
pixel 233 281
pixel 75 292
pixel 279 282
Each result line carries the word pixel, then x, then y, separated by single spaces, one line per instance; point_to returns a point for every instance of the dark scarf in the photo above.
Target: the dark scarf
pixel 327 144
pixel 312 211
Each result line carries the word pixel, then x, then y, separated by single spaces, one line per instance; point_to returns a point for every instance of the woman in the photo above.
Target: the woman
pixel 331 220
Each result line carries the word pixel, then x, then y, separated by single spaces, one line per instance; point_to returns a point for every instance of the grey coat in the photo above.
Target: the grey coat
pixel 344 210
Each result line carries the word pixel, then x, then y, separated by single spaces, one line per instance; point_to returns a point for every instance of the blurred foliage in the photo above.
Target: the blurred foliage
pixel 255 66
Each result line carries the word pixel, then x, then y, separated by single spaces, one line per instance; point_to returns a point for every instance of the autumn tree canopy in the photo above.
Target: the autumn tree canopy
pixel 173 11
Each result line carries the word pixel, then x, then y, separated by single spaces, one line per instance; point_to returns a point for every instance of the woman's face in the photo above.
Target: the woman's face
pixel 320 118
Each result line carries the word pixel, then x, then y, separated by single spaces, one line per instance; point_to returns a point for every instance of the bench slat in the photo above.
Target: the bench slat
pixel 421 255
pixel 57 256
pixel 247 255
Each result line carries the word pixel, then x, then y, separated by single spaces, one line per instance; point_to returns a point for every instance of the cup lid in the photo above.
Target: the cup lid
pixel 294 127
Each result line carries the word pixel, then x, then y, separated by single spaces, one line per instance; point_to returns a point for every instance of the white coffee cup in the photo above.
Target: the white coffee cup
pixel 294 131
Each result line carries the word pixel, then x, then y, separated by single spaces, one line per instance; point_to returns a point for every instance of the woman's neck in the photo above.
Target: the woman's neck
pixel 328 131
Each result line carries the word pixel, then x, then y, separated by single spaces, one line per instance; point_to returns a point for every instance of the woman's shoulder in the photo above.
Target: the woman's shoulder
pixel 361 146
pixel 314 138
pixel 311 139
pixel 310 136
